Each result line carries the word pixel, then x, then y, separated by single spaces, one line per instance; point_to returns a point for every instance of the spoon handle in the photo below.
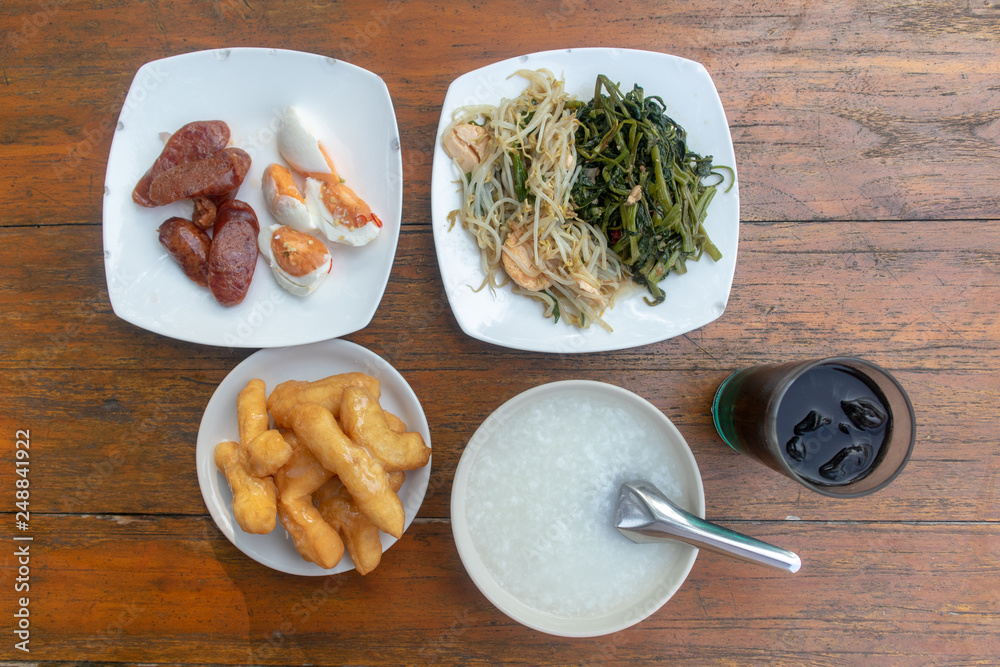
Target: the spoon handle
pixel 708 535
pixel 646 515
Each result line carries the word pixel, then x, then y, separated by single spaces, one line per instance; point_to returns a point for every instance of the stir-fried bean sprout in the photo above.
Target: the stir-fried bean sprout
pixel 516 202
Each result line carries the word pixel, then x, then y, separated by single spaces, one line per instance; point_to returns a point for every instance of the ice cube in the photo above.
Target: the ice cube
pixel 796 449
pixel 811 422
pixel 864 413
pixel 846 464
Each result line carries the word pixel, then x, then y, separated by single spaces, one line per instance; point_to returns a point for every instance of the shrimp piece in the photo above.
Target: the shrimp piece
pixel 519 262
pixel 466 144
pixel 591 293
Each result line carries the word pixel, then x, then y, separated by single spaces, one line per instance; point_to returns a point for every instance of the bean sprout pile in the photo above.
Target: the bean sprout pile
pixel 516 202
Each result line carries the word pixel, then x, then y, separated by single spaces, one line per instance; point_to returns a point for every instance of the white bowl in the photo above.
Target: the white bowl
pixel 276 550
pixel 533 500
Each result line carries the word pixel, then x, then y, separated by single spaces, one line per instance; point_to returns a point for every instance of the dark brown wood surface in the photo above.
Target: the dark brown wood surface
pixel 867 138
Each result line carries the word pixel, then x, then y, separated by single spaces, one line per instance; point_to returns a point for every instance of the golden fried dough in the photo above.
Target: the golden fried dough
pixel 326 392
pixel 302 474
pixel 360 536
pixel 266 453
pixel 254 498
pixel 329 470
pixel 315 539
pixel 394 422
pixel 360 470
pixel 251 411
pixel 365 423
pixel 292 439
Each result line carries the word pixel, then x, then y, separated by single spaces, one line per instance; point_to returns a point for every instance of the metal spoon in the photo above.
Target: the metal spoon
pixel 644 514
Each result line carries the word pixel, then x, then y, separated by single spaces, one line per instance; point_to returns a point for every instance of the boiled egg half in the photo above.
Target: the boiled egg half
pixel 298 144
pixel 342 215
pixel 333 208
pixel 299 261
pixel 285 200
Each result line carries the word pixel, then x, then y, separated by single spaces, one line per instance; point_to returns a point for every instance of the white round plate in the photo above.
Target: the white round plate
pixel 640 578
pixel 249 89
pixel 307 362
pixel 693 299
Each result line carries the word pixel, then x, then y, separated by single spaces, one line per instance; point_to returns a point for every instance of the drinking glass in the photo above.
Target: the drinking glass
pixel 749 402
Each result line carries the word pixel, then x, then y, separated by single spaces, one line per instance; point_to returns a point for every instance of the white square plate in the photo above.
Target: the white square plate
pixel 351 112
pixel 693 299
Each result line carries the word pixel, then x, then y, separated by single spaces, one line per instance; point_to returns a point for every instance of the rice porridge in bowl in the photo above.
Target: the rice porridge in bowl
pixel 534 499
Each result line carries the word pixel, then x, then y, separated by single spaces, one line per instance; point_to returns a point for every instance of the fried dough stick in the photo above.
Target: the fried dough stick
pixel 359 534
pixel 326 392
pixel 264 449
pixel 366 424
pixel 394 422
pixel 267 453
pixel 315 539
pixel 251 411
pixel 254 498
pixel 360 471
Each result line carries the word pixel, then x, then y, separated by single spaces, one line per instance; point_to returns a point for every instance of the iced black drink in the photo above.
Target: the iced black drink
pixel 832 422
pixel 841 426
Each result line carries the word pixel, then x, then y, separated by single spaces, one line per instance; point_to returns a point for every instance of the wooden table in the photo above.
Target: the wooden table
pixel 867 137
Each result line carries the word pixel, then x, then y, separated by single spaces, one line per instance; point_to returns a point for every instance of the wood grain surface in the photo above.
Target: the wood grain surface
pixel 867 138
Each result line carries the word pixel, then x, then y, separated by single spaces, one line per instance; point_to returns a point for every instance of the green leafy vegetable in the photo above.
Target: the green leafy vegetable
pixel 520 176
pixel 641 185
